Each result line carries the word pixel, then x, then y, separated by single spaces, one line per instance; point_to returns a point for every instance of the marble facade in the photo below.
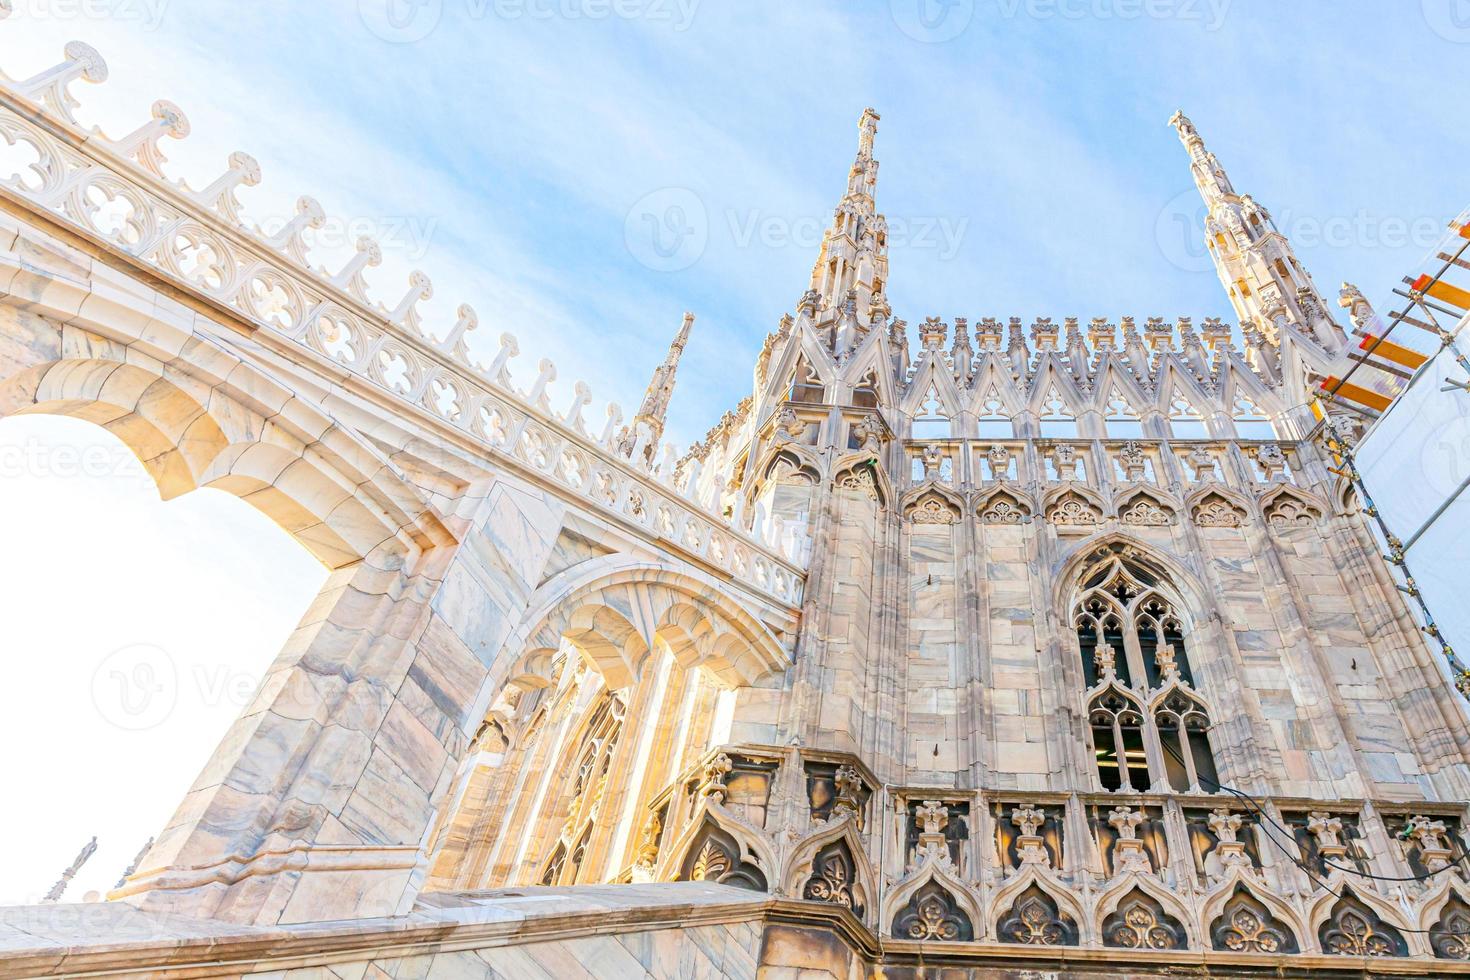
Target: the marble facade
pixel 923 662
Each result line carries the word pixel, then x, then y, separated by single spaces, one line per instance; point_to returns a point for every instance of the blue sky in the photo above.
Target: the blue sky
pixel 515 151
pixel 504 149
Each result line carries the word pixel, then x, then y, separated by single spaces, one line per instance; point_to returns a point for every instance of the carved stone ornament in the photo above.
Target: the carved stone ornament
pixel 932 510
pixel 1129 853
pixel 1245 925
pixel 1229 849
pixel 833 873
pixel 1286 512
pixel 1133 460
pixel 1327 829
pixel 1034 920
pixel 1272 461
pixel 1004 509
pixel 870 434
pixel 648 842
pixel 1144 512
pixel 848 785
pixel 1029 819
pixel 789 426
pixel 1074 511
pixel 1450 936
pixel 1216 511
pixel 1000 461
pixel 715 771
pixel 1030 847
pixel 933 458
pixel 1353 929
pixel 860 479
pixel 1203 463
pixel 1064 458
pixel 715 856
pixel 1432 839
pixel 931 914
pixel 1140 922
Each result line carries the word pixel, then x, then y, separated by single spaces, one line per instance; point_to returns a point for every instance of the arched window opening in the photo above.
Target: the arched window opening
pixel 1122 421
pixel 806 387
pixel 865 395
pixel 1185 420
pixel 1183 730
pixel 1131 639
pixel 1117 738
pixel 1251 421
pixel 1057 420
pixel 933 423
pixel 994 421
pixel 586 776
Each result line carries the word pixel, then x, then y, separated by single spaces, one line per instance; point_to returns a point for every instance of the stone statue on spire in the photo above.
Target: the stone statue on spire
pixel 852 266
pixel 1256 263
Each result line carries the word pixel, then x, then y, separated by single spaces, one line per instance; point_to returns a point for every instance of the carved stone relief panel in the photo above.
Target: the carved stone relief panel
pixel 1034 920
pixel 932 914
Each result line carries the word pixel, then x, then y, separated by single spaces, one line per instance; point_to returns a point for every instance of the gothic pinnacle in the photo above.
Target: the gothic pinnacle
pixel 648 424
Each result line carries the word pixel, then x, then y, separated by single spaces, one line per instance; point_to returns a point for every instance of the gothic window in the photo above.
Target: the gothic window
pixel 1132 643
pixel 806 387
pixel 585 772
pixel 1117 740
pixel 1245 925
pixel 1182 725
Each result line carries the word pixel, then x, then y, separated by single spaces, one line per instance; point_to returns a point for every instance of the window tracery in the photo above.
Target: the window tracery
pixel 1132 644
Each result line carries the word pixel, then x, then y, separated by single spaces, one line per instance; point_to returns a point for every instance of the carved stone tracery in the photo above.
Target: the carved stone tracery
pixel 933 914
pixel 1246 925
pixel 1140 922
pixel 833 876
pixel 1035 920
pixel 1354 929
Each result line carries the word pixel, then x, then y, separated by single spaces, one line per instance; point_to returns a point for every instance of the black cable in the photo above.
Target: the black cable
pixel 1251 801
pixel 1256 807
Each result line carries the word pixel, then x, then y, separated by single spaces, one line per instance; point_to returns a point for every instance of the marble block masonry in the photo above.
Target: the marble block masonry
pixel 930 658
